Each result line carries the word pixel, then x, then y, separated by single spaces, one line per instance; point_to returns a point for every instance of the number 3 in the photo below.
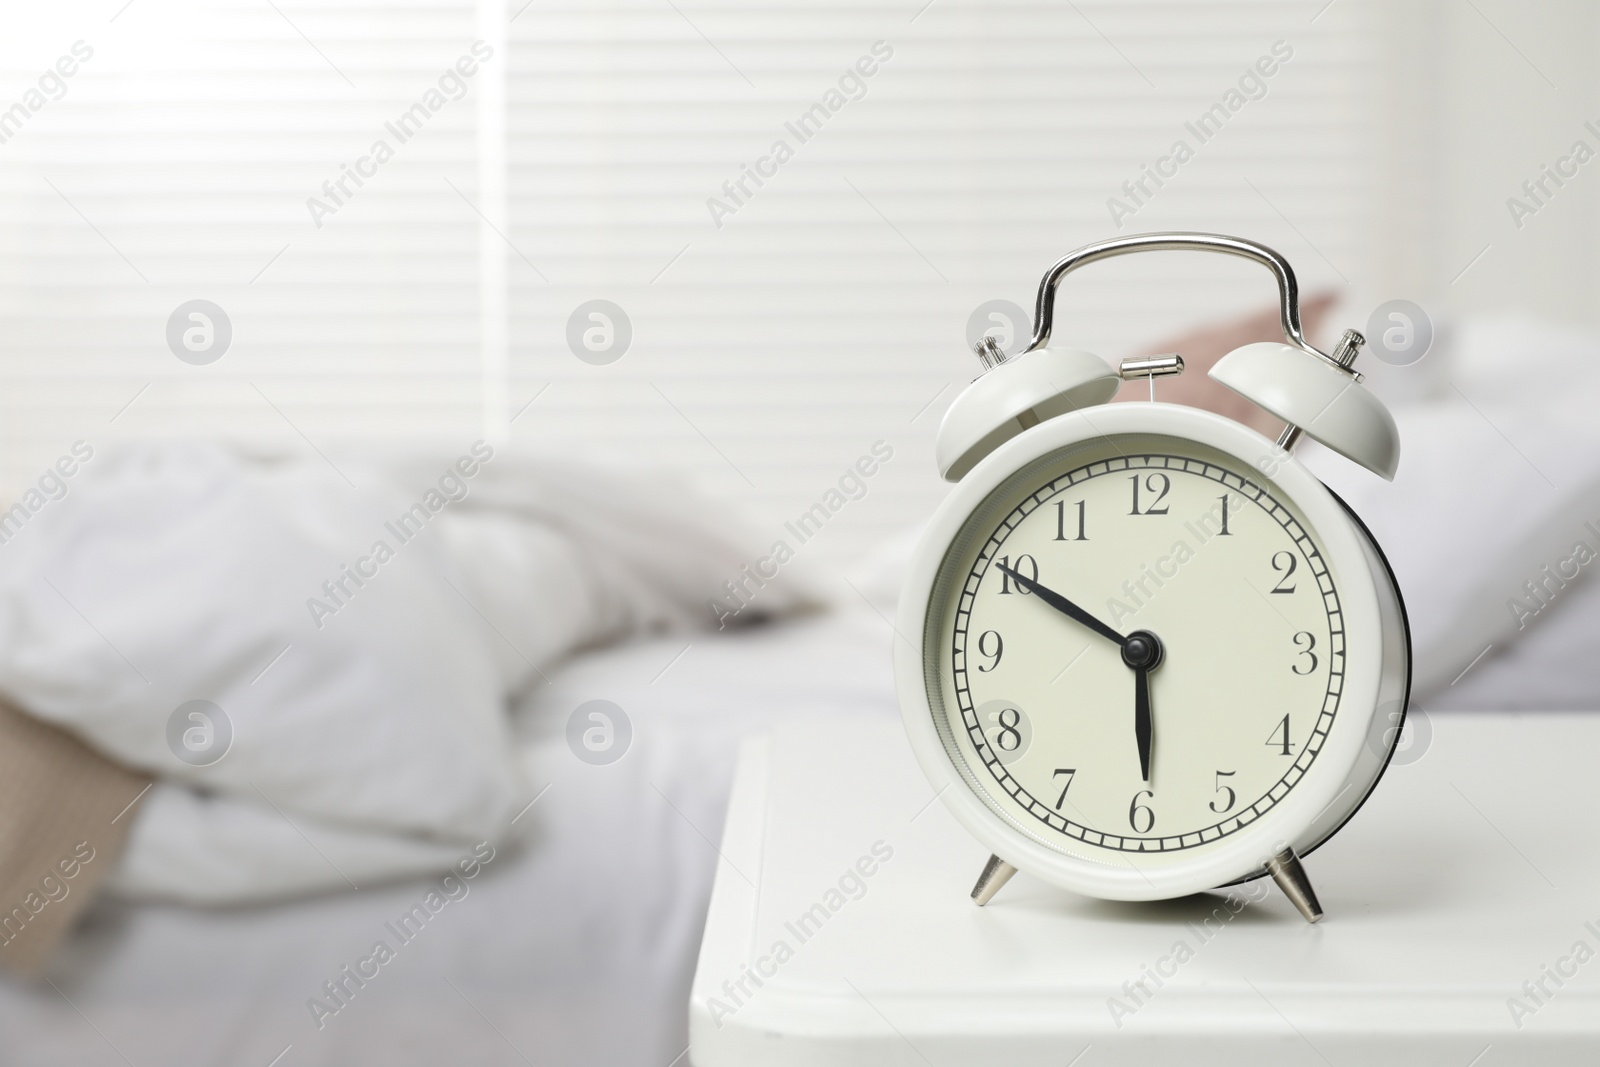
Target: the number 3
pixel 1309 642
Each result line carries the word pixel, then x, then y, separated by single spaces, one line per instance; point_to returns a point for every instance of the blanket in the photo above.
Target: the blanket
pixel 312 655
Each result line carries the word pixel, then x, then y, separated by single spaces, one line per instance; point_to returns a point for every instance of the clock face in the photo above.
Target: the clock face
pixel 1134 648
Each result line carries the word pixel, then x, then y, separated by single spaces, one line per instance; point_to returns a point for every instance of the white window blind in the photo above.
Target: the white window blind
pixel 178 165
pixel 829 310
pixel 769 353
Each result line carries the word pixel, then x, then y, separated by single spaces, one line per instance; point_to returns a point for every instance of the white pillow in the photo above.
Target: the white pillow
pixel 173 572
pixel 1498 479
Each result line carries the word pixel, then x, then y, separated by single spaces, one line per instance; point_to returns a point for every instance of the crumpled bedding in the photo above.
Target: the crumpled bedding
pixel 313 655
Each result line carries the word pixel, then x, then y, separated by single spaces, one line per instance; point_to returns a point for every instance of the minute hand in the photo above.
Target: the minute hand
pixel 1063 605
pixel 1142 727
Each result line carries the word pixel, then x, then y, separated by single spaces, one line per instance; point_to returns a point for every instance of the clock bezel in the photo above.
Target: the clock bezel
pixel 1343 770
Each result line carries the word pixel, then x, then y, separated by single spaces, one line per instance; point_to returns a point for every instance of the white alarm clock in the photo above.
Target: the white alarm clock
pixel 1153 654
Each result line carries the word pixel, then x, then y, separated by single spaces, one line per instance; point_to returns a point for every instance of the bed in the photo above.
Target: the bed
pixel 574 945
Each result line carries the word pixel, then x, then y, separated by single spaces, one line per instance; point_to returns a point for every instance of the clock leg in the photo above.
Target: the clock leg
pixel 996 873
pixel 1287 871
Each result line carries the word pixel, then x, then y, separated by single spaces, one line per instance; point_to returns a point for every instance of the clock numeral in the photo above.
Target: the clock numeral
pixel 1069 772
pixel 994 655
pixel 1026 566
pixel 1061 522
pixel 1159 484
pixel 1279 738
pixel 1309 642
pixel 1135 810
pixel 1224 788
pixel 1224 532
pixel 1285 568
pixel 1008 738
pixel 1007 732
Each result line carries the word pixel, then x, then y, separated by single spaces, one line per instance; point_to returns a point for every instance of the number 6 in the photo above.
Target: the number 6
pixel 1135 808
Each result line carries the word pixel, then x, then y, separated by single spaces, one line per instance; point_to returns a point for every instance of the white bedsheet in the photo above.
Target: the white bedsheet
pixel 576 951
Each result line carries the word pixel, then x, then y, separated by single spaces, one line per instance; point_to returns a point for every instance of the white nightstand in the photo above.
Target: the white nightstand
pixel 1469 872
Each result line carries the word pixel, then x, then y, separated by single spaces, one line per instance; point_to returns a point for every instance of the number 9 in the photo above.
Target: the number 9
pixel 995 653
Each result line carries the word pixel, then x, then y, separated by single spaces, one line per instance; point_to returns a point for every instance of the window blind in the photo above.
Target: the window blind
pixel 779 328
pixel 230 152
pixel 773 344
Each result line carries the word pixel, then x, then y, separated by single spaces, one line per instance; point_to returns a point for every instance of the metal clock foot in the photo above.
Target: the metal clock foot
pixel 1287 871
pixel 996 873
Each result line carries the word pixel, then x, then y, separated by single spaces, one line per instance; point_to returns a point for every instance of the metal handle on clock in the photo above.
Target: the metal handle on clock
pixel 1288 288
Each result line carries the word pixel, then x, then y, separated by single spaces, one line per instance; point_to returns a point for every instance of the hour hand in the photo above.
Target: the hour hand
pixel 1063 605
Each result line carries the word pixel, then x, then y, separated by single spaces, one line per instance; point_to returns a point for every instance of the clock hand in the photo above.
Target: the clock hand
pixel 1141 720
pixel 1063 605
pixel 1143 652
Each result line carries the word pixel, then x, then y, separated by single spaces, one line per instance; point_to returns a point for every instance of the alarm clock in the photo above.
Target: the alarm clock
pixel 1148 653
